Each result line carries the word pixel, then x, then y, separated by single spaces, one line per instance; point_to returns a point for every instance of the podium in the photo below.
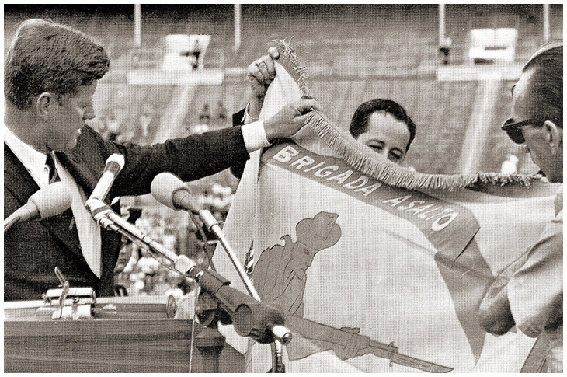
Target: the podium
pixel 133 334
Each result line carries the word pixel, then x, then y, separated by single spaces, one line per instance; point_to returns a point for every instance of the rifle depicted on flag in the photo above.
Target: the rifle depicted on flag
pixel 376 268
pixel 249 260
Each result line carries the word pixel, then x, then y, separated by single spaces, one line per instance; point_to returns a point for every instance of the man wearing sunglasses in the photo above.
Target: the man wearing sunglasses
pixel 537 118
pixel 529 293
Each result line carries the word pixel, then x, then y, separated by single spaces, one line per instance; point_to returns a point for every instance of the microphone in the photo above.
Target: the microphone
pixel 50 201
pixel 114 165
pixel 170 191
pixel 250 317
pixel 108 219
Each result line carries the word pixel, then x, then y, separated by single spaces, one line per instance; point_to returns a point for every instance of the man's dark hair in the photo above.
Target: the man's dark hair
pixel 50 57
pixel 359 122
pixel 545 88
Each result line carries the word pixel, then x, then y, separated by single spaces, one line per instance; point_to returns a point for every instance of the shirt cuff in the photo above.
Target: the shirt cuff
pixel 247 117
pixel 254 136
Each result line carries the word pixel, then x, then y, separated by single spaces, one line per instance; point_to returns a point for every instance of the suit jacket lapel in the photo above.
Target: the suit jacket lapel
pixel 17 179
pixel 81 172
pixel 21 185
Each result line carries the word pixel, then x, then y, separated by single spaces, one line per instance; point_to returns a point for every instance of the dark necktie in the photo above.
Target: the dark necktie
pixel 53 176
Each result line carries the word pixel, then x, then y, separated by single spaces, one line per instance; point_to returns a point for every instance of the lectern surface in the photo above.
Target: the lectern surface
pixel 128 336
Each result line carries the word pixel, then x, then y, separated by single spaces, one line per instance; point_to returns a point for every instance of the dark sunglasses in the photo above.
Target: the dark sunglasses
pixel 513 129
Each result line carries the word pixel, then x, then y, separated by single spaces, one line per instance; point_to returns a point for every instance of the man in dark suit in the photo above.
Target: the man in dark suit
pixel 50 78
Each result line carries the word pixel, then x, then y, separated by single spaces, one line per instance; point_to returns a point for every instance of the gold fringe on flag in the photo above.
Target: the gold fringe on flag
pixel 289 53
pixel 383 170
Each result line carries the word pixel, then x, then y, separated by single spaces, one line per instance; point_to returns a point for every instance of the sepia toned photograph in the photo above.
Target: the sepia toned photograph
pixel 283 188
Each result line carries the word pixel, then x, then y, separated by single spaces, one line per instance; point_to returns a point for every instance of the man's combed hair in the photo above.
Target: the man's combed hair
pixel 49 57
pixel 359 122
pixel 546 84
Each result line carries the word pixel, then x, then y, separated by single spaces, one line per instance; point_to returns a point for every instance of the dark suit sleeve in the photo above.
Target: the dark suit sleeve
pixel 190 158
pixel 238 120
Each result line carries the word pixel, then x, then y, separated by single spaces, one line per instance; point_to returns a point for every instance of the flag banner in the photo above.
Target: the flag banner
pixel 373 277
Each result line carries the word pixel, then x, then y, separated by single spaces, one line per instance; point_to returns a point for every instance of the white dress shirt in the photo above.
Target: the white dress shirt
pixel 254 134
pixel 33 161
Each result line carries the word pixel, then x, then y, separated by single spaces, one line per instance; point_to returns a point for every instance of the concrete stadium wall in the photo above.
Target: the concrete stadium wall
pixel 353 53
pixel 336 38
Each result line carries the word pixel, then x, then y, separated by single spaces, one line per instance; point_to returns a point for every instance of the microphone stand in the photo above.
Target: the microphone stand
pixel 212 225
pixel 108 219
pixel 280 339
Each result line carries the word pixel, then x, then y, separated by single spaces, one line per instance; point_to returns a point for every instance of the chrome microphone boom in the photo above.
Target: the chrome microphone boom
pixel 108 219
pixel 212 225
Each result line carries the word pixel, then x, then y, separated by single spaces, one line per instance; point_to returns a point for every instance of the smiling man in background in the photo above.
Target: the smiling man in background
pixel 384 126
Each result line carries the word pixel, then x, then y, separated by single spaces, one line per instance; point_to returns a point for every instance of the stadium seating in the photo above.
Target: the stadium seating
pixel 353 53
